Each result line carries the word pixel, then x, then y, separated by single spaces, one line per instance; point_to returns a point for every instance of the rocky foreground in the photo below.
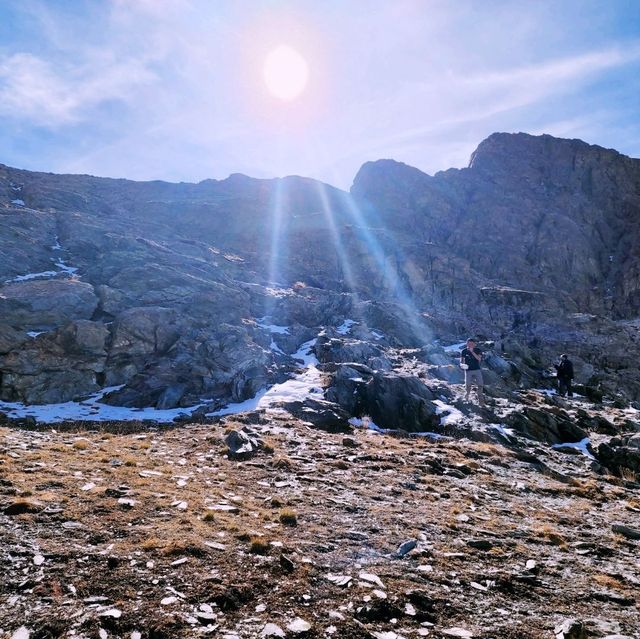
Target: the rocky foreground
pixel 259 525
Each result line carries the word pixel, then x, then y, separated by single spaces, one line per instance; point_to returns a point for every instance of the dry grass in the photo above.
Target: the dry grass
pixel 288 517
pixel 628 474
pixel 259 546
pixel 552 535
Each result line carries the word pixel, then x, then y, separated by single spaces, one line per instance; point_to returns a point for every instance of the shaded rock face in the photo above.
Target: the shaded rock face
pixel 157 288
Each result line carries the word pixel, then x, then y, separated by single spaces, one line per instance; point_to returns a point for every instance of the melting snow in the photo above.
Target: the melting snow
pixel 90 410
pixel 450 414
pixel 503 430
pixel 275 348
pixel 345 327
pixel 65 268
pixel 303 385
pixel 32 276
pixel 272 328
pixel 581 446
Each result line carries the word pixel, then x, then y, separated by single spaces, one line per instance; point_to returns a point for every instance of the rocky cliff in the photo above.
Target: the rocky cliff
pixel 168 294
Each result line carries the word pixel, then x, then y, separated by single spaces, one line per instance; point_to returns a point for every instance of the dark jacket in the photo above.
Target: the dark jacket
pixel 564 369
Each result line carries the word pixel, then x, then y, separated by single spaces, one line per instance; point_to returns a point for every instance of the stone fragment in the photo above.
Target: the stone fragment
pixel 299 626
pixel 626 531
pixel 272 630
pixel 406 547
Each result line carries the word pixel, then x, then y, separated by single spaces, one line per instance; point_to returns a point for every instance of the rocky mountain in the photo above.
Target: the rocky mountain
pixel 325 475
pixel 156 288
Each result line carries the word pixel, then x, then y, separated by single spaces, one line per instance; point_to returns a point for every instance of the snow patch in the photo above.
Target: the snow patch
pixel 65 268
pixel 272 328
pixel 90 410
pixel 35 333
pixel 18 202
pixel 450 414
pixel 377 334
pixel 32 276
pixel 275 348
pixel 507 433
pixel 300 387
pixel 581 446
pixel 345 327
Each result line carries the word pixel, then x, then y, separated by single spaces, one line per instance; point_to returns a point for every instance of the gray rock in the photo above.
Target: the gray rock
pixel 35 305
pixel 626 531
pixel 241 444
pixel 406 547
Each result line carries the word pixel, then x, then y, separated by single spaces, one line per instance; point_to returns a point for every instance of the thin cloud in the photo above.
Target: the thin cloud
pixel 36 91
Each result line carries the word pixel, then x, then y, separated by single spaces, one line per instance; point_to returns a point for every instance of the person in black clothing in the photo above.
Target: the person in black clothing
pixel 470 359
pixel 564 372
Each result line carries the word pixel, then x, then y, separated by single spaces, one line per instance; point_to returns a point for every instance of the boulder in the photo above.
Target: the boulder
pixel 545 426
pixel 57 366
pixel 242 444
pixel 44 304
pixel 392 400
pixel 321 414
pixel 621 455
pixel 11 338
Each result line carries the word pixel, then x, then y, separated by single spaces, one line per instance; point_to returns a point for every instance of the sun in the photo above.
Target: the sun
pixel 285 73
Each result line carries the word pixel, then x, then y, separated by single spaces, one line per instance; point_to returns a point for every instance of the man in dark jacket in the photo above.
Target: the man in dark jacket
pixel 565 375
pixel 470 359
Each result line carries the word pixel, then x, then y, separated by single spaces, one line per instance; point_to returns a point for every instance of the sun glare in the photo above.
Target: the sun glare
pixel 285 73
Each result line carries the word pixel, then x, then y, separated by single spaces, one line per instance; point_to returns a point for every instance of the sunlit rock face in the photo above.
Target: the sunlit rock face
pixel 535 246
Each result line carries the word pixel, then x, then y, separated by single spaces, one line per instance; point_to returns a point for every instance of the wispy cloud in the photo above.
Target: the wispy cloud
pixel 172 88
pixel 35 90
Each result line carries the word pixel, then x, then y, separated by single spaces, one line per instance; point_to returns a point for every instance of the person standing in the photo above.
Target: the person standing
pixel 470 359
pixel 564 372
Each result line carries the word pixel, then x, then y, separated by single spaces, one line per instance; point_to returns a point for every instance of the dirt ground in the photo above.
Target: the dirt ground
pixel 160 535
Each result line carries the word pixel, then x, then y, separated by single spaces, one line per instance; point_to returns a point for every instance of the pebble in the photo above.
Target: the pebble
pixel 179 562
pixel 299 626
pixel 339 580
pixel 457 632
pixel 371 578
pixel 112 612
pixel 88 486
pixel 406 547
pixel 126 502
pixel 215 545
pixel 167 601
pixel 21 633
pixel 272 630
pixel 136 635
pixel 38 560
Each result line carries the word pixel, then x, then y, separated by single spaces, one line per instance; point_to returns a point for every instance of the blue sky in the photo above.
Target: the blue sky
pixel 173 89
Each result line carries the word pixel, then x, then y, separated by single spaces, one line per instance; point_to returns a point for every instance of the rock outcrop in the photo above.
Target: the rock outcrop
pixel 168 290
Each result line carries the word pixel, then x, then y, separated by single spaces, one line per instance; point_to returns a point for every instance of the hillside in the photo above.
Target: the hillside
pixel 236 408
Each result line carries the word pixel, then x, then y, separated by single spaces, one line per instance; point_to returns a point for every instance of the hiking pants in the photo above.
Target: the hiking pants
pixel 471 377
pixel 564 387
